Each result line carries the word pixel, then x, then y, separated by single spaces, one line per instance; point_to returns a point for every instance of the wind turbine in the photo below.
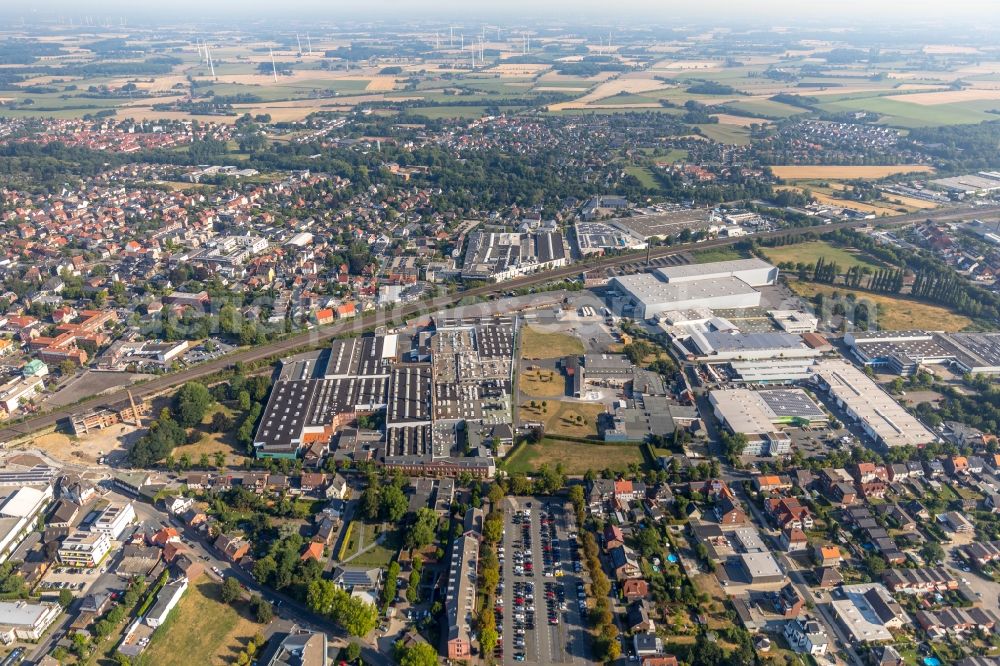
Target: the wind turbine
pixel 274 68
pixel 309 43
pixel 451 36
pixel 211 65
pixel 299 42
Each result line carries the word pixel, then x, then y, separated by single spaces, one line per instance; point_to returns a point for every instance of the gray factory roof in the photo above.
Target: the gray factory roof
pixel 716 268
pixel 709 342
pixel 792 403
pixel 650 289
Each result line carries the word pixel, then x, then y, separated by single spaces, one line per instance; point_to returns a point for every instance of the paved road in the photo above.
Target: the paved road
pixel 318 335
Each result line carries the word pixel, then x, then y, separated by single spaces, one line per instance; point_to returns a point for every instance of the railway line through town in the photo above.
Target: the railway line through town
pixel 320 335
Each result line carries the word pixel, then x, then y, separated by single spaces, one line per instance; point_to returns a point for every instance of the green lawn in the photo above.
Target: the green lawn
pixel 576 457
pixel 643 175
pixel 810 252
pixel 765 108
pixel 381 554
pixel 731 134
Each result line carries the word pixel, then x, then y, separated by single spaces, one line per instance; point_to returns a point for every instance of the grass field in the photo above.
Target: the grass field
pixel 568 419
pixel 575 457
pixel 732 134
pixel 380 554
pixel 542 383
pixel 538 344
pixel 845 172
pixel 896 313
pixel 904 114
pixel 201 630
pixel 643 175
pixel 438 112
pixel 811 252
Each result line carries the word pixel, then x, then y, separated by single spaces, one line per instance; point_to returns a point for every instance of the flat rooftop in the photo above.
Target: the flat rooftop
pixel 661 225
pixel 650 289
pixel 882 415
pixel 713 269
pixel 758 412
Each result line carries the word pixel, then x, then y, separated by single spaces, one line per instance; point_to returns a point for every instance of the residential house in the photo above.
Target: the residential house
pixel 793 539
pixel 233 548
pixel 728 512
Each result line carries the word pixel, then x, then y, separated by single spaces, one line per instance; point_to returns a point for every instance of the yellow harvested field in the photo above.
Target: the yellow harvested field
pixel 559 89
pixel 853 205
pixel 948 97
pixel 381 84
pixel 845 172
pixel 895 313
pixel 147 113
pixel 613 87
pixel 739 121
pixel 910 202
pixel 951 49
pixel 676 65
pixel 525 69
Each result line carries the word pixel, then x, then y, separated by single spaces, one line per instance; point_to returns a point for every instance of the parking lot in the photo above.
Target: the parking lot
pixel 539 607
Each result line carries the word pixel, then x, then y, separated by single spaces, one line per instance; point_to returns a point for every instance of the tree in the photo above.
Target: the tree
pixel 65 598
pixel 418 654
pixel 413 586
pixel 421 532
pixel 488 637
pixel 932 552
pixel 389 587
pixel 352 652
pixel 393 504
pixel 221 422
pixel 370 504
pixel 231 590
pixel 495 494
pixel 357 617
pixel 493 527
pixel 262 611
pixel 190 404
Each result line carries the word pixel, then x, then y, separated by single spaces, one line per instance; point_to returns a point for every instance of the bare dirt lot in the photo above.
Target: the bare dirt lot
pixel 113 441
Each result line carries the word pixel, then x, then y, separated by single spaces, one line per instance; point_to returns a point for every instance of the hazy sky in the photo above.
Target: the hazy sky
pixel 720 8
pixel 780 11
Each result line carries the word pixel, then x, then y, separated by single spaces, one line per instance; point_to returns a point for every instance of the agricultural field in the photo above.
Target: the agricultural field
pixel 536 344
pixel 202 629
pixel 575 457
pixel 895 313
pixel 813 251
pixel 564 418
pixel 845 172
